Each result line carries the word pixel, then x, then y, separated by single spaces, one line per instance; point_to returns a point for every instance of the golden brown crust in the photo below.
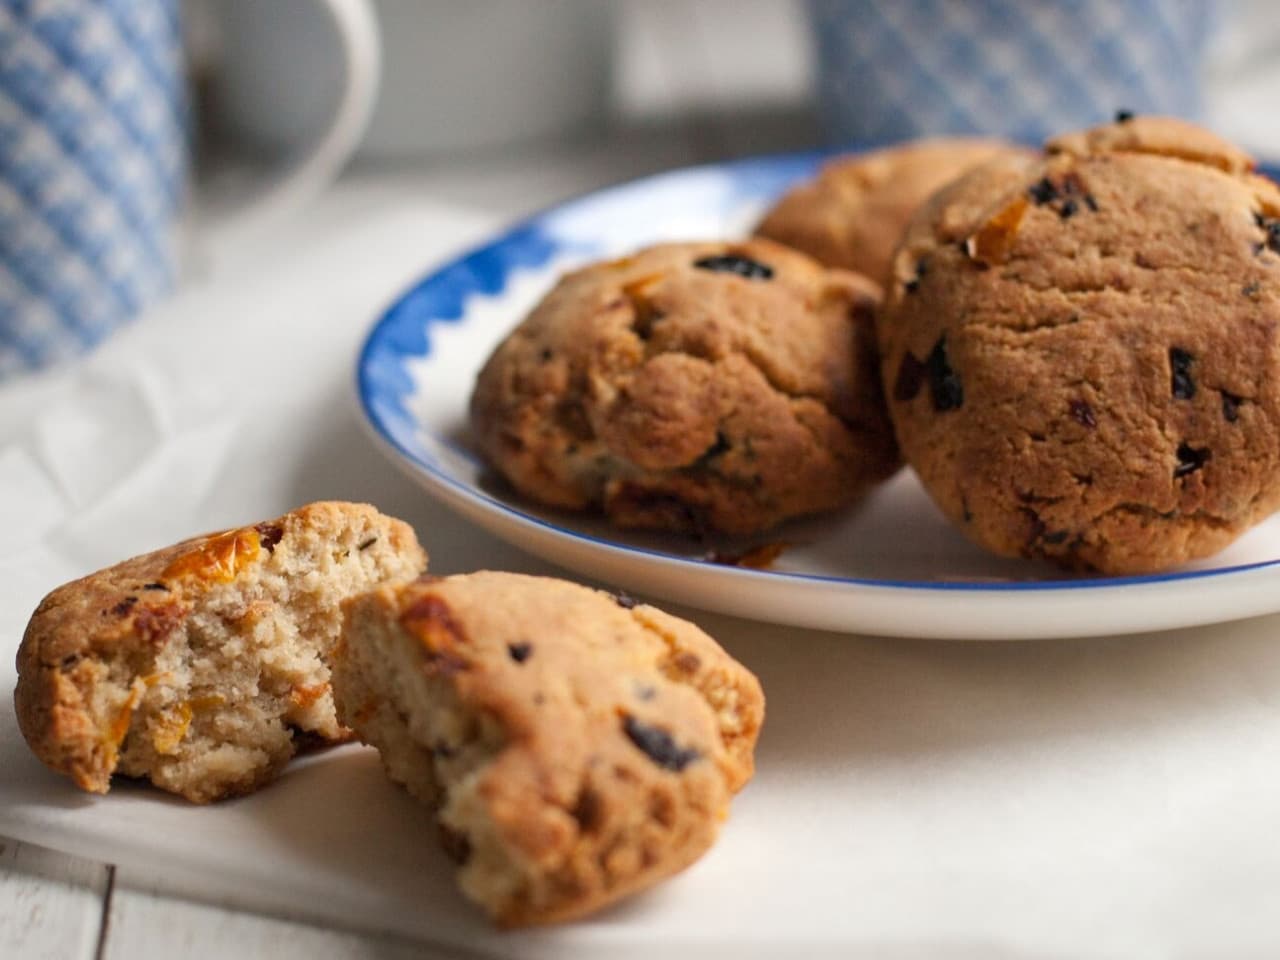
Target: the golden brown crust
pixel 673 396
pixel 1081 353
pixel 125 611
pixel 596 742
pixel 89 655
pixel 1158 136
pixel 853 213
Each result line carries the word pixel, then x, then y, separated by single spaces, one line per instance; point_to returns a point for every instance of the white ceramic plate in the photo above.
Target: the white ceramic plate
pixel 892 566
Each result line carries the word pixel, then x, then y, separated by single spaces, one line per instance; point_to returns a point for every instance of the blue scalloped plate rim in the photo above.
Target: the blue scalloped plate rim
pixel 403 332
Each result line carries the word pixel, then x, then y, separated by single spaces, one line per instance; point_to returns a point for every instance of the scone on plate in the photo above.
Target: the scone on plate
pixel 203 666
pixel 577 746
pixel 692 386
pixel 853 213
pixel 1082 352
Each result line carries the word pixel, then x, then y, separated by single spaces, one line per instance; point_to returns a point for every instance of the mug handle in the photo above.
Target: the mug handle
pixel 318 163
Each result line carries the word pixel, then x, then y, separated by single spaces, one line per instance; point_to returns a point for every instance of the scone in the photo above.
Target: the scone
pixel 693 386
pixel 1081 352
pixel 203 666
pixel 853 213
pixel 577 746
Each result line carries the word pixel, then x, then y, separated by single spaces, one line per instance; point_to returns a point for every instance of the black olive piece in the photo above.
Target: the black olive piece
pixel 738 265
pixel 1190 459
pixel 1230 407
pixel 1042 191
pixel 719 448
pixel 658 745
pixel 269 535
pixel 1270 226
pixel 944 383
pixel 1036 527
pixel 1182 385
pixel 1082 413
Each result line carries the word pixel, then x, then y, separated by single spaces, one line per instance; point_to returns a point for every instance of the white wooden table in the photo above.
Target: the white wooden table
pixel 56 907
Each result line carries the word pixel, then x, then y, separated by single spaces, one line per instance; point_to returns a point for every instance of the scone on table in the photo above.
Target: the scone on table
pixel 1082 352
pixel 853 213
pixel 696 387
pixel 203 666
pixel 577 746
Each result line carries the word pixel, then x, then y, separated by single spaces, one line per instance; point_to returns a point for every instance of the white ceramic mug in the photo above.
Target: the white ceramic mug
pixel 456 75
pixel 290 83
pixel 487 73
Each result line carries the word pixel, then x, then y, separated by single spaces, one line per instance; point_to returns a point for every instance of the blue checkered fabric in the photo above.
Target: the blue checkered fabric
pixel 890 69
pixel 93 131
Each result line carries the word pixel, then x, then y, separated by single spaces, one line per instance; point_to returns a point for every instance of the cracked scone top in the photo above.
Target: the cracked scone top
pixel 203 666
pixel 1080 352
pixel 692 386
pixel 578 746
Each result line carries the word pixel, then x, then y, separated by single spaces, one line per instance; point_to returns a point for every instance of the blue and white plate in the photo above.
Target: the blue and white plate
pixel 891 566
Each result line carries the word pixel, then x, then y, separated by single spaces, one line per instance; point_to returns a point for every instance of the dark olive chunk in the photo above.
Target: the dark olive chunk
pixel 736 264
pixel 944 383
pixel 1182 385
pixel 658 745
pixel 1190 459
pixel 1083 414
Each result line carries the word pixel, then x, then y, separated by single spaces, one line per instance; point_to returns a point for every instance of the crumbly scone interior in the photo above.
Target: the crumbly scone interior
pixel 444 749
pixel 432 745
pixel 235 687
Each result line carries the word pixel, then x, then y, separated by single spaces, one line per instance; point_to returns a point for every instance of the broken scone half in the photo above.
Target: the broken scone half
pixel 203 666
pixel 577 746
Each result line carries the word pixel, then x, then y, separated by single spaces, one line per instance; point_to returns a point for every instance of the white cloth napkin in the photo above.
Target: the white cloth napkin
pixel 1106 797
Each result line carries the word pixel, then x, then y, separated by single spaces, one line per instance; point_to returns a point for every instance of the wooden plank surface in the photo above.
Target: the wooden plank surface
pixel 51 905
pixel 150 926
